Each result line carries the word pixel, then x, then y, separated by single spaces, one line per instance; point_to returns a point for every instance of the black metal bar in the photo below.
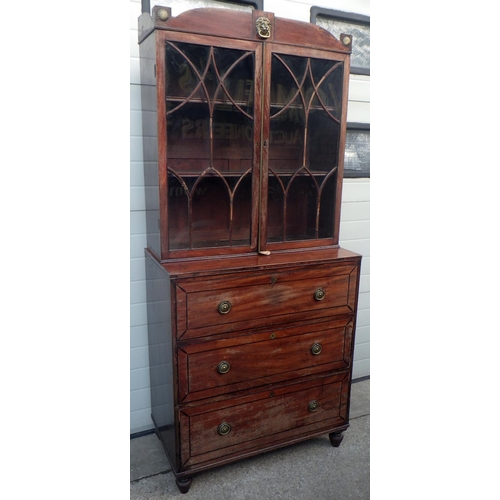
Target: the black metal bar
pixel 257 4
pixel 338 14
pixel 358 126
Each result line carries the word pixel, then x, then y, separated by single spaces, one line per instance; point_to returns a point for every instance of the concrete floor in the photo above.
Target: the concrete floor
pixel 311 470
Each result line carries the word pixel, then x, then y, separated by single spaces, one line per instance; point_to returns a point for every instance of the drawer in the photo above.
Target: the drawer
pixel 212 306
pixel 222 366
pixel 272 417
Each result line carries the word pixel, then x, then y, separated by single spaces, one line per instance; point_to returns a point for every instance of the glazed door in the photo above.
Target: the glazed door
pixel 213 125
pixel 253 134
pixel 301 168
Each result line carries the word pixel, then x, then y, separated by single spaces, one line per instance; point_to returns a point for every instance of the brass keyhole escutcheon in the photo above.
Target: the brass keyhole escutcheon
pixel 223 367
pixel 224 307
pixel 316 348
pixel 313 406
pixel 273 336
pixel 319 294
pixel 224 429
pixel 273 280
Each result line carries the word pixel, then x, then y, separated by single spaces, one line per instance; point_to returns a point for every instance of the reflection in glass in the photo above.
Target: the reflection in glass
pixel 327 206
pixel 306 105
pixel 178 203
pixel 301 208
pixel 188 138
pixel 242 216
pixel 323 141
pixel 275 207
pixel 210 135
pixel 210 223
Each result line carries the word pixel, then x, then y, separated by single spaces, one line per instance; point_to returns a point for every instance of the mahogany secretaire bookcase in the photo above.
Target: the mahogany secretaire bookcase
pixel 251 302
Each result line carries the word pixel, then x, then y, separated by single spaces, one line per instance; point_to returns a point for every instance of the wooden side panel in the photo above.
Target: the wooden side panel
pixel 160 356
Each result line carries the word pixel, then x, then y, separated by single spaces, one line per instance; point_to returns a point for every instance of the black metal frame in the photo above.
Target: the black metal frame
pixel 343 16
pixel 257 4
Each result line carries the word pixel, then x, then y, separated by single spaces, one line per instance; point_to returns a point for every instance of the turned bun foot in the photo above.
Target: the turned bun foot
pixel 336 438
pixel 183 483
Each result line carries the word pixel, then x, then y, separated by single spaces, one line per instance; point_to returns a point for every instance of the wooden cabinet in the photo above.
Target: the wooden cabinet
pixel 251 302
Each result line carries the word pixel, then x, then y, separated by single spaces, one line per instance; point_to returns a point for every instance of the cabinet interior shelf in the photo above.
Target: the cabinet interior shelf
pixel 228 105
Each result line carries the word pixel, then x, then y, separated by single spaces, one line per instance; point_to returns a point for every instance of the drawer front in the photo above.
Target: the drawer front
pixel 209 307
pixel 272 417
pixel 218 367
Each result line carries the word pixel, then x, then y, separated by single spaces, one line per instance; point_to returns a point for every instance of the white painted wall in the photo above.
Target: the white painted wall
pixel 355 219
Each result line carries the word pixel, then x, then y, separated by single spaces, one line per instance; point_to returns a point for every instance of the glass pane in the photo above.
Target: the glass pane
pixel 287 126
pixel 323 134
pixel 210 135
pixel 235 69
pixel 306 96
pixel 178 204
pixel 287 74
pixel 232 140
pixel 301 209
pixel 327 206
pixel 275 207
pixel 210 224
pixel 185 65
pixel 242 212
pixel 188 139
pixel 357 153
pixel 329 78
pixel 233 120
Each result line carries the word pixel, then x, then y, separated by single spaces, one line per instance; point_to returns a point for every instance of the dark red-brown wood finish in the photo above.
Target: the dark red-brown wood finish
pixel 251 303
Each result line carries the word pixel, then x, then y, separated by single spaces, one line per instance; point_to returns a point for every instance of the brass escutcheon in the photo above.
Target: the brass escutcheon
pixel 319 294
pixel 224 428
pixel 263 26
pixel 273 336
pixel 223 367
pixel 224 307
pixel 313 406
pixel 316 348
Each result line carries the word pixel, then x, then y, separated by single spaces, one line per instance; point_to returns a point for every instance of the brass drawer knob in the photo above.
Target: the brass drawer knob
pixel 316 349
pixel 319 294
pixel 223 367
pixel 224 307
pixel 224 428
pixel 313 406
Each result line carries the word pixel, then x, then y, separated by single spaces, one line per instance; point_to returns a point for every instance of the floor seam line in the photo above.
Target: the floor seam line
pixel 133 481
